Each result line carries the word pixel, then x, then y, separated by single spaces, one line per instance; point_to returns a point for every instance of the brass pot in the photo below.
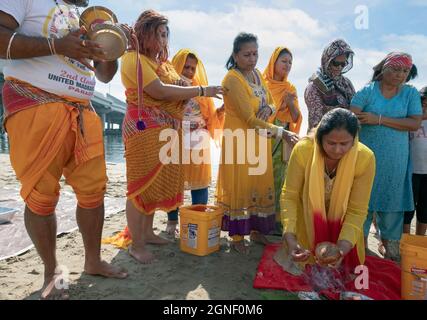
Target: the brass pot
pixel 103 28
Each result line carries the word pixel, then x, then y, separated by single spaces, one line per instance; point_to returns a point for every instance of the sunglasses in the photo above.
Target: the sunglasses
pixel 338 64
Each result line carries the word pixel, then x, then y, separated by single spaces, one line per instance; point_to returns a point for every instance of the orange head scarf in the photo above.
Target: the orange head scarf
pixel 278 90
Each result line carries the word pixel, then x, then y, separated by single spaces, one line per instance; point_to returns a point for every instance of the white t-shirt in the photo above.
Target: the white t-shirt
pixel 56 74
pixel 419 149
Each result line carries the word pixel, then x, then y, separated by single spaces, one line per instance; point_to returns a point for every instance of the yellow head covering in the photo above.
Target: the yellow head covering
pixel 178 61
pixel 325 225
pixel 278 90
pixel 207 107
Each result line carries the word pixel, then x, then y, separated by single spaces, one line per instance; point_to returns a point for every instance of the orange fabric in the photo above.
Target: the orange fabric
pixel 278 90
pixel 46 143
pixel 198 176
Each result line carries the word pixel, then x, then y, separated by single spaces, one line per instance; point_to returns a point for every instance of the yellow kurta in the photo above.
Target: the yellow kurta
pixel 246 197
pixel 200 111
pixel 348 200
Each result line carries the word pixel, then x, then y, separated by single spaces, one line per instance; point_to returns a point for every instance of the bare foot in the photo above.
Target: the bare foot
pixel 259 238
pixel 142 255
pixel 105 269
pixel 155 239
pixel 53 289
pixel 240 247
pixel 171 228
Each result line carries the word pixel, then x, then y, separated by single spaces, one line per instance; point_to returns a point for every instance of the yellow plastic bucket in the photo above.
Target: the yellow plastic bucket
pixel 413 250
pixel 200 229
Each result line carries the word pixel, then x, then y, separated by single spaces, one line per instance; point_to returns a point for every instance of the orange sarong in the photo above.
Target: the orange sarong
pixel 51 136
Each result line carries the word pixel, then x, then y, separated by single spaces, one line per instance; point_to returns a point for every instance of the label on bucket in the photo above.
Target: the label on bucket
pixel 192 236
pixel 213 237
pixel 419 288
pixel 418 271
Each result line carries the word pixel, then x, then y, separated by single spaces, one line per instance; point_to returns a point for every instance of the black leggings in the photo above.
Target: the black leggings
pixel 419 186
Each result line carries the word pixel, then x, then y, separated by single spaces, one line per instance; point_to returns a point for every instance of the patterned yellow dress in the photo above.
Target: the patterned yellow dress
pixel 245 189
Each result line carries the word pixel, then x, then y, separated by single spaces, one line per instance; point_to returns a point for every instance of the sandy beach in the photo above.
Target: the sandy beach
pixel 175 275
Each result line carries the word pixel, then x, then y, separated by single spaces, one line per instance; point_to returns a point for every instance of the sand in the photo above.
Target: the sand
pixel 175 275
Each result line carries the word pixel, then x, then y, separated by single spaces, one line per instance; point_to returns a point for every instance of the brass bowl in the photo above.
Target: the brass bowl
pixel 326 253
pixel 112 39
pixel 95 15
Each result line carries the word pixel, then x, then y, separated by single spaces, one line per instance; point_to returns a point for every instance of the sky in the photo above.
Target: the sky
pixel 371 28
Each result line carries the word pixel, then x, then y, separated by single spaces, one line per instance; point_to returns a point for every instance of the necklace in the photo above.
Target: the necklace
pixel 330 173
pixel 64 17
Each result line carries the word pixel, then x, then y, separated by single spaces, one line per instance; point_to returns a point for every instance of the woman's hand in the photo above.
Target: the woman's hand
pixel 291 138
pixel 329 254
pixel 288 101
pixel 296 252
pixel 299 254
pixel 214 91
pixel 181 83
pixel 368 118
pixel 264 113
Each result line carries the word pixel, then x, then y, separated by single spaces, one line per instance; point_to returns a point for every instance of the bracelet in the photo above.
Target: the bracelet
pixel 8 57
pixel 50 46
pixel 380 120
pixel 280 132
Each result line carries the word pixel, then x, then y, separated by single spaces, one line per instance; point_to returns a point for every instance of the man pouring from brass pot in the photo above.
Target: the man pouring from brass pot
pixel 52 128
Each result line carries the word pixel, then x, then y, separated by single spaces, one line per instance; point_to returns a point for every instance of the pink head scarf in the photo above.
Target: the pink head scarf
pixel 398 59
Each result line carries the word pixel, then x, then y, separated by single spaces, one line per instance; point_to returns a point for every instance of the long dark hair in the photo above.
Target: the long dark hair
pixel 338 118
pixel 241 39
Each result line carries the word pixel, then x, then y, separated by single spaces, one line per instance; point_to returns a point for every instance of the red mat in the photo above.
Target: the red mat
pixel 384 278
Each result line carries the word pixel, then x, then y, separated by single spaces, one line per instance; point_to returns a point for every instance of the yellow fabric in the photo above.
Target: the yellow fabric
pixel 238 192
pixel 278 90
pixel 242 105
pixel 151 71
pixel 198 176
pixel 120 240
pixel 303 193
pixel 50 148
pixel 152 185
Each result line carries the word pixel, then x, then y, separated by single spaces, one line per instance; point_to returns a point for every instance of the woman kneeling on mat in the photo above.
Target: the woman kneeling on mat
pixel 326 194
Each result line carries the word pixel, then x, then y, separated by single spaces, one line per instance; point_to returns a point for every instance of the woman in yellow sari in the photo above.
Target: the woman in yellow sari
pixel 244 191
pixel 326 195
pixel 155 98
pixel 288 115
pixel 201 120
